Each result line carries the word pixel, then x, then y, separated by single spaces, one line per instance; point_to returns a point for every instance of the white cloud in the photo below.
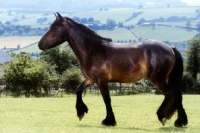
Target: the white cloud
pixel 192 2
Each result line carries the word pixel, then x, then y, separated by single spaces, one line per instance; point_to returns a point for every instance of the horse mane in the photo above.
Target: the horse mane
pixel 88 32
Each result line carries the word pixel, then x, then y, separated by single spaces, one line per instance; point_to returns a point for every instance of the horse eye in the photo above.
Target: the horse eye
pixel 55 27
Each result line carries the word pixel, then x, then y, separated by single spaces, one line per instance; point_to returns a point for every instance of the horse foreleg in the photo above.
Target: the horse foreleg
pixel 110 118
pixel 80 106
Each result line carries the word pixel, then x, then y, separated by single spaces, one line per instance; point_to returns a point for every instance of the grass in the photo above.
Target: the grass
pixel 136 113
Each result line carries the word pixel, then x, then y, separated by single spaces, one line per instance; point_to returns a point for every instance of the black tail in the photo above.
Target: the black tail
pixel 176 75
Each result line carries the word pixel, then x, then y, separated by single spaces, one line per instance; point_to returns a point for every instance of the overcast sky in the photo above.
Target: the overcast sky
pixel 192 2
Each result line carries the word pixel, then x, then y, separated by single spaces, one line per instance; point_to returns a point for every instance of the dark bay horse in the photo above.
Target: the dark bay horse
pixel 104 61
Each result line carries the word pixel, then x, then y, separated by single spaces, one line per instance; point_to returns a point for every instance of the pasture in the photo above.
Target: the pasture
pixel 14 41
pixel 135 113
pixel 174 34
pixel 117 34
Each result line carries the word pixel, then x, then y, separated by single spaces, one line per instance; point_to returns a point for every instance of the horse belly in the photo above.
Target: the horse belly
pixel 129 74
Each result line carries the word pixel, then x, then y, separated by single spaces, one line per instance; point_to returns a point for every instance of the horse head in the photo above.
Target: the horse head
pixel 55 35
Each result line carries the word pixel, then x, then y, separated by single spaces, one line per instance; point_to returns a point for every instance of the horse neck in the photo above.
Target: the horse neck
pixel 80 44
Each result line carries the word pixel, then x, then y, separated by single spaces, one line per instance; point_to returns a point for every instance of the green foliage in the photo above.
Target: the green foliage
pixel 25 74
pixel 71 78
pixel 63 58
pixel 193 58
pixel 67 66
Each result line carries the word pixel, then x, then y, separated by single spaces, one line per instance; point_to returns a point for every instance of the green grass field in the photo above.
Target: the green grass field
pixel 136 113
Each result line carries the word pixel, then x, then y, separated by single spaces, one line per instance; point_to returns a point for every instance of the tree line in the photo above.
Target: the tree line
pixel 8 29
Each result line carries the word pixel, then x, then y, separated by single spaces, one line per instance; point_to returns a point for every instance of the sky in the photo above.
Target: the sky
pixel 192 2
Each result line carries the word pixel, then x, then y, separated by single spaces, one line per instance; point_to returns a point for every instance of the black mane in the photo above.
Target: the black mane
pixel 88 32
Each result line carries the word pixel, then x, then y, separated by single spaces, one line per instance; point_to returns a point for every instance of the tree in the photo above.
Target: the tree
pixel 25 74
pixel 188 23
pixel 77 19
pixel 84 20
pixel 193 58
pixel 110 24
pixel 71 78
pixel 91 20
pixel 198 25
pixel 67 66
pixel 120 24
pixel 141 21
pixel 63 58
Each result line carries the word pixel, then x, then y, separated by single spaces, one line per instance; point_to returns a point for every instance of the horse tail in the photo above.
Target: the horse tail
pixel 176 75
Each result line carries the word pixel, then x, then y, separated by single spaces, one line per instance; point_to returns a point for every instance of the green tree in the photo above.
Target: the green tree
pixel 71 78
pixel 63 58
pixel 188 23
pixel 25 74
pixel 67 66
pixel 193 58
pixel 110 23
pixel 198 25
pixel 141 21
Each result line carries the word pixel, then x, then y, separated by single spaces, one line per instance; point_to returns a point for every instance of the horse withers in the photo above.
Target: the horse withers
pixel 103 61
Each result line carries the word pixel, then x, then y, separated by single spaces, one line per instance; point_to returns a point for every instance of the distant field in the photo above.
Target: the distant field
pixel 14 41
pixel 119 15
pixel 148 14
pixel 162 33
pixel 29 49
pixel 116 14
pixel 117 34
pixel 136 113
pixel 152 13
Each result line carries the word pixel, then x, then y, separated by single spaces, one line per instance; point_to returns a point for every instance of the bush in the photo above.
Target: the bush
pixel 70 79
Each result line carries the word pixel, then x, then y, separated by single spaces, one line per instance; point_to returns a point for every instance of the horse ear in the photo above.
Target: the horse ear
pixel 56 16
pixel 59 16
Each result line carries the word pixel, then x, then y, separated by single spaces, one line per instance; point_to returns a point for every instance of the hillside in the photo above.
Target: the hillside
pixel 171 31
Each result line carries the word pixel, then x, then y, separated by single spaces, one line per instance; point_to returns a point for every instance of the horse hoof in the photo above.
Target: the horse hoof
pixel 80 117
pixel 164 120
pixel 109 121
pixel 81 110
pixel 180 122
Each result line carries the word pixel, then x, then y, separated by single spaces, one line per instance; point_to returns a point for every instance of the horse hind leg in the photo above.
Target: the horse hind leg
pixel 167 108
pixel 171 103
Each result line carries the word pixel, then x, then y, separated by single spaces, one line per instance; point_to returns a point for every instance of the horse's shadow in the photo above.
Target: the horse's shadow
pixel 170 129
pixel 161 129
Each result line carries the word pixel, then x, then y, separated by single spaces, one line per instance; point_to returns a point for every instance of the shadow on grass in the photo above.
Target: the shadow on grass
pixel 162 129
pixel 172 129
